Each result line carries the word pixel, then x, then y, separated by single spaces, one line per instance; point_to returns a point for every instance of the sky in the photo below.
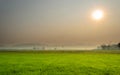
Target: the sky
pixel 66 22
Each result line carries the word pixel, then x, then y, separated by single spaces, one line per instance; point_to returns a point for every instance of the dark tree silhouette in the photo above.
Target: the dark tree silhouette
pixel 119 45
pixel 103 46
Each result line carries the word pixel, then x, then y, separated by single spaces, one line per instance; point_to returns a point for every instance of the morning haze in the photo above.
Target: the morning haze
pixel 64 22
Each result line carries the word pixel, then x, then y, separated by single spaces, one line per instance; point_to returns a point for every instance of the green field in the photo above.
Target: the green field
pixel 60 63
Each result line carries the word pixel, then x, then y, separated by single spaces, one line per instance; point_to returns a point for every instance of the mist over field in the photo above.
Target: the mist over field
pixel 46 47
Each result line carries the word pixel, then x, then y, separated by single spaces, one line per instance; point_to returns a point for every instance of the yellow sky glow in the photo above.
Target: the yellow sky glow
pixel 97 14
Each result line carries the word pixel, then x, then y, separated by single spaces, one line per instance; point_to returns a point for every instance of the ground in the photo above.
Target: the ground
pixel 60 63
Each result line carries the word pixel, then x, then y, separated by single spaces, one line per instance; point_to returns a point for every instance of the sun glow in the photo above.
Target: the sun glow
pixel 97 14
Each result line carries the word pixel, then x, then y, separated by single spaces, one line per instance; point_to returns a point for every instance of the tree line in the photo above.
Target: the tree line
pixel 110 47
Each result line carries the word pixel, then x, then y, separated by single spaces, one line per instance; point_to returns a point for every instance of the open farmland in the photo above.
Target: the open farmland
pixel 60 62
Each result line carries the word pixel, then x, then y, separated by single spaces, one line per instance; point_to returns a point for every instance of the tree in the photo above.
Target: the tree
pixel 119 45
pixel 103 47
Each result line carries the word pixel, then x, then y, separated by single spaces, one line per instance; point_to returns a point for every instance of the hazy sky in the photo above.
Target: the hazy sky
pixel 59 22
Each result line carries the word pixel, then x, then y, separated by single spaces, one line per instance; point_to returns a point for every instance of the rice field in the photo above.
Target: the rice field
pixel 60 62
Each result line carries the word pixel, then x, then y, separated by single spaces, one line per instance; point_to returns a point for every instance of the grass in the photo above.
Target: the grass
pixel 60 63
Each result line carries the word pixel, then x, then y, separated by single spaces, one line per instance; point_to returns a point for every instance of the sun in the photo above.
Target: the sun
pixel 97 14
